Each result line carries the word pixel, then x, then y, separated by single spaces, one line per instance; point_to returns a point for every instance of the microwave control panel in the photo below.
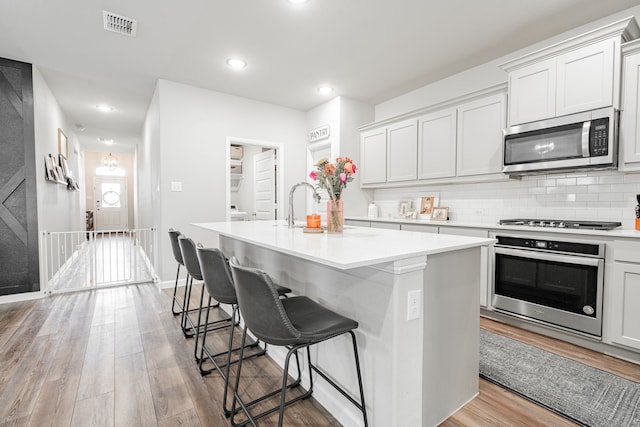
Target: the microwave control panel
pixel 599 138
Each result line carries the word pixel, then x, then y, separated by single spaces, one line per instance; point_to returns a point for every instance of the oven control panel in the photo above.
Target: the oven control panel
pixel 568 247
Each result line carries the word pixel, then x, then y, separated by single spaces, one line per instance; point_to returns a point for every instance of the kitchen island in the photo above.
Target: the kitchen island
pixel 419 359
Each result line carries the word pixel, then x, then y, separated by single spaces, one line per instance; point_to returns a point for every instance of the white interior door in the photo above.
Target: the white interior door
pixel 111 208
pixel 265 185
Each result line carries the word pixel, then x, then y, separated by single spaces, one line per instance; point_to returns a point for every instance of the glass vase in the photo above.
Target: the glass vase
pixel 335 216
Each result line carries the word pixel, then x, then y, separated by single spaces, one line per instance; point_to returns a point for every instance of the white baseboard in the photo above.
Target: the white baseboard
pixel 25 296
pixel 167 284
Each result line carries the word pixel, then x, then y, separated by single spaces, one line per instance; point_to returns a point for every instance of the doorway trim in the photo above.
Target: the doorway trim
pixel 278 146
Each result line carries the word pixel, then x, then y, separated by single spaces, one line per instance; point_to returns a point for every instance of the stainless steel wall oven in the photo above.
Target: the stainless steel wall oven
pixel 551 280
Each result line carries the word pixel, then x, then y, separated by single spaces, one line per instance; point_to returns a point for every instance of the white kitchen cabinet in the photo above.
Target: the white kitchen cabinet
pixel 579 80
pixel 461 138
pixel 624 316
pixel 402 147
pixel 579 74
pixel 630 115
pixel 484 257
pixel 422 228
pixel 532 92
pixel 479 146
pixel 385 225
pixel 585 78
pixel 357 222
pixel 389 153
pixel 373 149
pixel 437 144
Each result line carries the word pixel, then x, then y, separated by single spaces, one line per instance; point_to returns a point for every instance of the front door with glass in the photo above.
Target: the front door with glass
pixel 111 208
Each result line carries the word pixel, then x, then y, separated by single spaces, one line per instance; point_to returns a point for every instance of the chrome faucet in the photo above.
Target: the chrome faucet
pixel 315 196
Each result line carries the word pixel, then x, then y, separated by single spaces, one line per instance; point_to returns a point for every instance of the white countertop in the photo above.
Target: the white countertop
pixel 616 233
pixel 355 247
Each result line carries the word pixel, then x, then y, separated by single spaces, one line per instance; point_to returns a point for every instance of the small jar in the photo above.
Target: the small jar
pixel 373 210
pixel 313 221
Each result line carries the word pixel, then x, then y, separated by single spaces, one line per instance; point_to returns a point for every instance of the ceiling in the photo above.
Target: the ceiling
pixel 369 50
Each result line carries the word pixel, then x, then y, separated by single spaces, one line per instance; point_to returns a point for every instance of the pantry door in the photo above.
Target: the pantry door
pixel 111 208
pixel 264 185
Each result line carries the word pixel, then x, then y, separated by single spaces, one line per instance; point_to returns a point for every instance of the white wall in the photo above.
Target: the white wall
pixel 608 195
pixel 344 116
pixel 354 114
pixel 193 126
pixel 58 208
pixel 148 163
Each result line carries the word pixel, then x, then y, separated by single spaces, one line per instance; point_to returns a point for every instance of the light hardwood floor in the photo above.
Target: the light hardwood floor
pixel 117 357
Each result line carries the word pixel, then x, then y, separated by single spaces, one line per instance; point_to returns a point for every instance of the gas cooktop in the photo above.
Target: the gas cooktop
pixel 554 223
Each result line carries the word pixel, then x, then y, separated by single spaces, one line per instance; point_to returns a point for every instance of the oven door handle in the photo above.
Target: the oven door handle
pixel 544 256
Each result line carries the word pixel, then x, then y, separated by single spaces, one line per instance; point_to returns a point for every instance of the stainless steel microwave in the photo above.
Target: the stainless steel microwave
pixel 583 140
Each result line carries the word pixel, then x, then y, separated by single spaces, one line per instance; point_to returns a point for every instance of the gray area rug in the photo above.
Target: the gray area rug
pixel 583 394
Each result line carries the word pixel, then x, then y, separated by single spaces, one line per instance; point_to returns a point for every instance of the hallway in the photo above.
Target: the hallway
pixel 85 260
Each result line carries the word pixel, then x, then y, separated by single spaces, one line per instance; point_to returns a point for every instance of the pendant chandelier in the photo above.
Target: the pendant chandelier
pixel 110 162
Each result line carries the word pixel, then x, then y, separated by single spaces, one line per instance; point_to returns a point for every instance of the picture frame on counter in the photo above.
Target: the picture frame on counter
pixel 440 213
pixel 425 205
pixel 403 208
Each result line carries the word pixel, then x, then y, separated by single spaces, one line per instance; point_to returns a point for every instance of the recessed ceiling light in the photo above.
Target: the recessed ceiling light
pixel 297 1
pixel 107 141
pixel 104 108
pixel 236 63
pixel 325 90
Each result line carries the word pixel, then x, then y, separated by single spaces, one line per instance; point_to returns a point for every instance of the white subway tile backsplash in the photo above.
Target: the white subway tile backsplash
pixel 546 183
pixel 596 195
pixel 631 178
pixel 612 197
pixel 586 197
pixel 604 188
pixel 588 180
pixel 611 179
pixel 566 181
pixel 598 204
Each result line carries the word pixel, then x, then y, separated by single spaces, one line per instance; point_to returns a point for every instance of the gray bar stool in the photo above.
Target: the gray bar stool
pixel 174 235
pixel 189 328
pixel 296 323
pixel 219 285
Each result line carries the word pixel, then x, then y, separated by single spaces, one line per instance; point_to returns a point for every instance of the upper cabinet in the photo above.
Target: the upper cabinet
pixel 580 74
pixel 402 145
pixel 532 92
pixel 373 155
pixel 458 139
pixel 630 115
pixel 437 144
pixel 480 125
pixel 388 153
pixel 585 78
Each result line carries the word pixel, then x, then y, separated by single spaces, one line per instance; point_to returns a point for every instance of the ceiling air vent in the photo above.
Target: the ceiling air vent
pixel 119 24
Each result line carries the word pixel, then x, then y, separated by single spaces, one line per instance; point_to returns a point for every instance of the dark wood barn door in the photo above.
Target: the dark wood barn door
pixel 18 217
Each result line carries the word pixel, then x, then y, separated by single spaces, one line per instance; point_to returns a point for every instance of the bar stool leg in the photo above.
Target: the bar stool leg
pixel 363 408
pixel 236 398
pixel 175 290
pixel 185 309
